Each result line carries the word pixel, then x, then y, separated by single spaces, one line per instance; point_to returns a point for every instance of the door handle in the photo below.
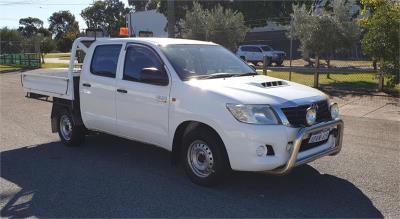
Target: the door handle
pixel 86 85
pixel 122 91
pixel 162 99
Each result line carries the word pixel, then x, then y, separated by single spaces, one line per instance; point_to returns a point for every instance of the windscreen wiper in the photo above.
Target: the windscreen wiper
pixel 216 75
pixel 246 74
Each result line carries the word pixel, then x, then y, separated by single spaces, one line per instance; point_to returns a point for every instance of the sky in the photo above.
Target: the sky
pixel 12 10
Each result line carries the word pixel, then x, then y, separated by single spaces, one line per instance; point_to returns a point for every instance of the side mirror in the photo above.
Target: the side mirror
pixel 153 76
pixel 252 66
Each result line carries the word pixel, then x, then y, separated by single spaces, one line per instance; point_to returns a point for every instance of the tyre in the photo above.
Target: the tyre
pixel 204 155
pixel 255 63
pixel 70 134
pixel 279 63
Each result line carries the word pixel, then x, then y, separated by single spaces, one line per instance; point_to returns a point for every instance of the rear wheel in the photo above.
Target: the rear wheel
pixel 204 156
pixel 279 63
pixel 70 133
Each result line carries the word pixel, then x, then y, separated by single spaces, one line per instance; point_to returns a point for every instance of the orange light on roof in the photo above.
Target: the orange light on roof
pixel 123 32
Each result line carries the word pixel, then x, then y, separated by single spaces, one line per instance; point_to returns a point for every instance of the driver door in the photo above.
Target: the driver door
pixel 142 105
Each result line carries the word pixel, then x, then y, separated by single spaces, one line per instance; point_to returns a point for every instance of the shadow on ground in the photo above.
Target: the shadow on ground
pixel 112 177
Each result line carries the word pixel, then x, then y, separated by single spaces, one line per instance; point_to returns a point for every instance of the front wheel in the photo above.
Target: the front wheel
pixel 204 156
pixel 70 133
pixel 279 63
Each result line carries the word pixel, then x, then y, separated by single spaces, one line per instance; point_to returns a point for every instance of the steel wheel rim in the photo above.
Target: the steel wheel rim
pixel 200 158
pixel 65 127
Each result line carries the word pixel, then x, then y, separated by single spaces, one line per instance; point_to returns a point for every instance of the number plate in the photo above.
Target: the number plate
pixel 320 136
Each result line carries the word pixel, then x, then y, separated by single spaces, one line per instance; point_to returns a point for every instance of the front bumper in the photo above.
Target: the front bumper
pixel 293 158
pixel 242 141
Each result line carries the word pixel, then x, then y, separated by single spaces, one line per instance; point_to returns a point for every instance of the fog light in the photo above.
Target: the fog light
pixel 260 151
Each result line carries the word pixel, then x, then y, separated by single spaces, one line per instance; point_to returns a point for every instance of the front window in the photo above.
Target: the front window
pixel 267 48
pixel 204 61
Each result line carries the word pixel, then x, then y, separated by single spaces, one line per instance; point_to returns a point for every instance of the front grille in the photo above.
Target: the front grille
pixel 297 115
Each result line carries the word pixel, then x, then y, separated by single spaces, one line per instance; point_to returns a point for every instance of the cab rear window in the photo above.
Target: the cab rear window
pixel 105 60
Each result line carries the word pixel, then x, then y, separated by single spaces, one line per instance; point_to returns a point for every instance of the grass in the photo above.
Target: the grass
pixel 343 81
pixel 63 56
pixel 11 68
pixel 334 63
pixel 55 65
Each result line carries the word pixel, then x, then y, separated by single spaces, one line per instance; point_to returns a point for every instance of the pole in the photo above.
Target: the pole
pixel 381 81
pixel 291 45
pixel 171 18
pixel 265 64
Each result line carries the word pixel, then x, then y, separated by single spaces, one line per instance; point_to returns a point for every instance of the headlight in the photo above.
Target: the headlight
pixel 253 113
pixel 311 115
pixel 334 110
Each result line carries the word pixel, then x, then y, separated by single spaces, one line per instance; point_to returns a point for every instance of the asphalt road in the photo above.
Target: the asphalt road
pixel 113 177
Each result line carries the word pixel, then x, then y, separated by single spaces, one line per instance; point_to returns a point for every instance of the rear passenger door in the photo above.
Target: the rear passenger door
pixel 97 89
pixel 142 101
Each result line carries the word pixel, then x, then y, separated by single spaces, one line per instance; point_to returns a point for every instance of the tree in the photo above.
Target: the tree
pixel 65 29
pixel 381 40
pixel 256 13
pixel 10 40
pixel 108 15
pixel 30 26
pixel 222 26
pixel 142 5
pixel 324 33
pixel 46 46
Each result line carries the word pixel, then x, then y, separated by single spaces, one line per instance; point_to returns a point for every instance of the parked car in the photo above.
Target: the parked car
pixel 193 98
pixel 256 54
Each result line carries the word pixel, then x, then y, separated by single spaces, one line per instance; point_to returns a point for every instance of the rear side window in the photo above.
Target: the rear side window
pixel 254 49
pixel 105 60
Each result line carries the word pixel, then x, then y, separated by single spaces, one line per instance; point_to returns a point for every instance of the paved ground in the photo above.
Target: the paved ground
pixel 113 177
pixel 56 60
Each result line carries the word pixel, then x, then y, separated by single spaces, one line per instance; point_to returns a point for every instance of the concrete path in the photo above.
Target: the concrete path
pixel 56 60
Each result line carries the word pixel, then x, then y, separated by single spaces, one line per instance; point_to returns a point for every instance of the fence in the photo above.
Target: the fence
pixel 348 71
pixel 29 60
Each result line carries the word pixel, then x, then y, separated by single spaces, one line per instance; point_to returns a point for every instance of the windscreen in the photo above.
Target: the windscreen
pixel 190 61
pixel 266 48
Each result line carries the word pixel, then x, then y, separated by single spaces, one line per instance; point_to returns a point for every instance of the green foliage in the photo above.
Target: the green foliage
pixel 324 33
pixel 142 5
pixel 10 40
pixel 222 26
pixel 65 29
pixel 30 26
pixel 108 15
pixel 381 41
pixel 46 46
pixel 256 13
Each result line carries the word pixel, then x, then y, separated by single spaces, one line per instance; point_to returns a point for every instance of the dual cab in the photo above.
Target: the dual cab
pixel 196 99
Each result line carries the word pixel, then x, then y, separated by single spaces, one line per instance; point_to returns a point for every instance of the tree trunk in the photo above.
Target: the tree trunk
pixel 316 73
pixel 374 65
pixel 328 63
pixel 42 55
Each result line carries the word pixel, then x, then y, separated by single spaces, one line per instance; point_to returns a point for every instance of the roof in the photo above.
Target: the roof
pixel 254 45
pixel 157 41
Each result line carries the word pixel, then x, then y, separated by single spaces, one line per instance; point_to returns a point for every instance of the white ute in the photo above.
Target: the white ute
pixel 194 98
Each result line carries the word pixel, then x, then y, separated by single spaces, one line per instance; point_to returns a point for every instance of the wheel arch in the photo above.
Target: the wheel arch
pixel 180 132
pixel 62 105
